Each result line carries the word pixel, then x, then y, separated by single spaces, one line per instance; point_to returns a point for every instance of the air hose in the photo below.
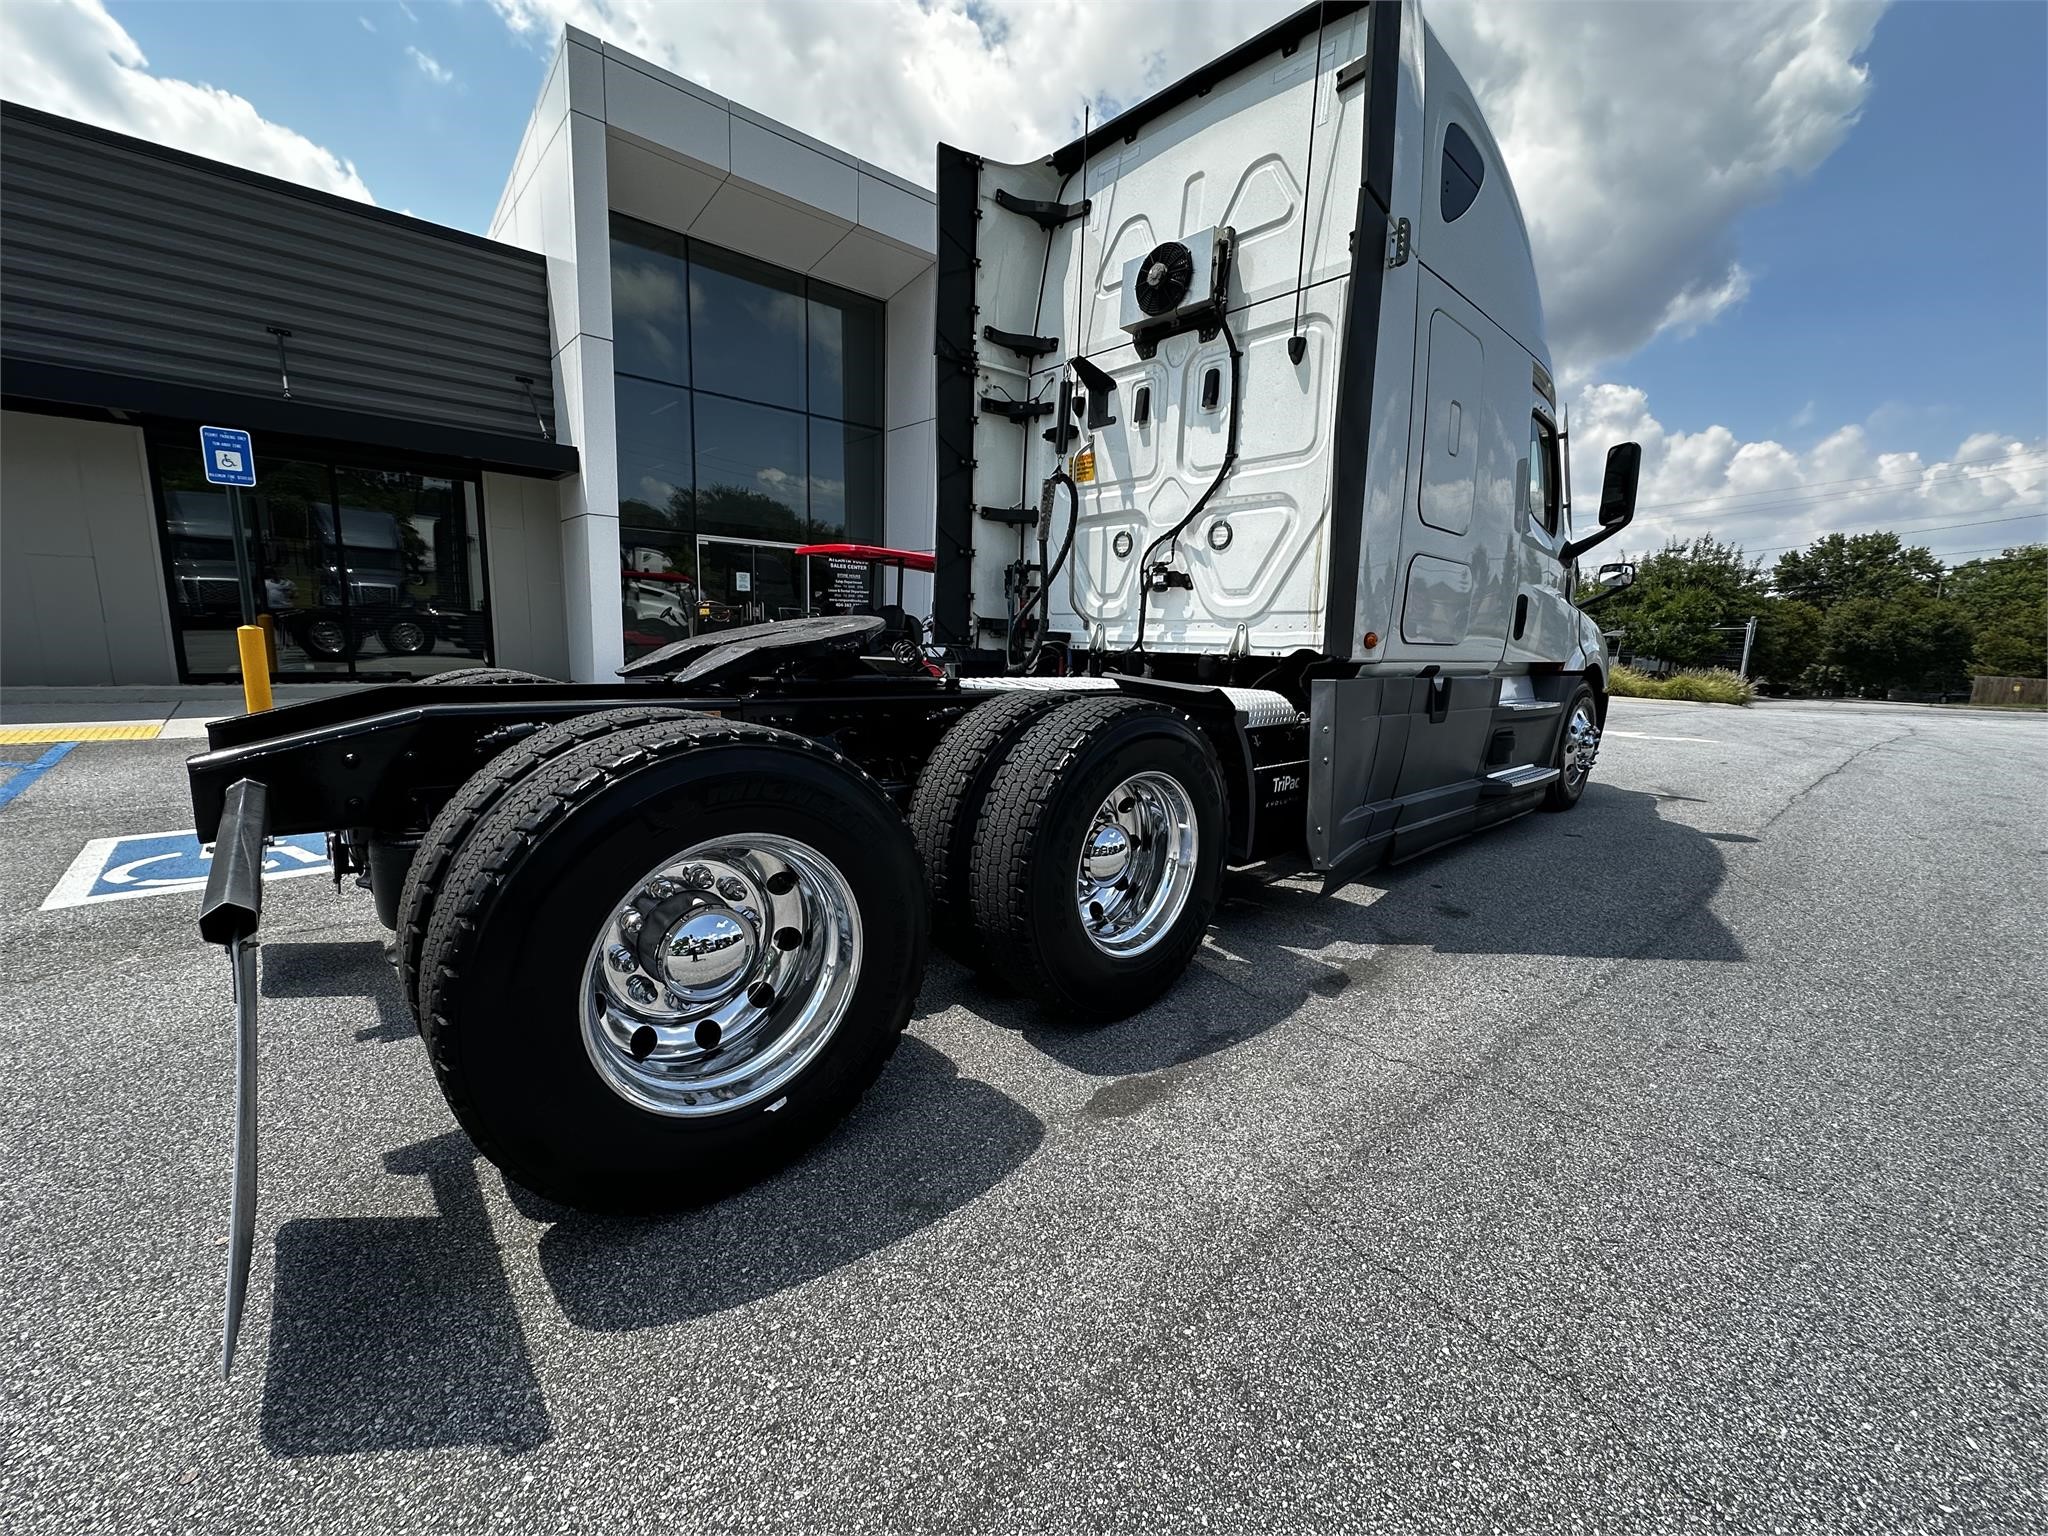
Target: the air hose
pixel 1047 573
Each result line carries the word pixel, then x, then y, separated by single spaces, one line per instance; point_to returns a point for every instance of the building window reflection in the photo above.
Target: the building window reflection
pixel 749 405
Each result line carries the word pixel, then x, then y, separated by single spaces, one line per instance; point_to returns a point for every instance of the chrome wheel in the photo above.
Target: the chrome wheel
pixel 405 638
pixel 1137 864
pixel 720 975
pixel 1581 745
pixel 327 637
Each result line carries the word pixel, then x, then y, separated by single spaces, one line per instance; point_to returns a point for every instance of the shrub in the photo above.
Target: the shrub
pixel 1705 685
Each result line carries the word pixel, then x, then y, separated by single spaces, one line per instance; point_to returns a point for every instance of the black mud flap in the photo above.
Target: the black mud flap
pixel 228 915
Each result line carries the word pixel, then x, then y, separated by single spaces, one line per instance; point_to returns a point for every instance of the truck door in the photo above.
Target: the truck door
pixel 1457 559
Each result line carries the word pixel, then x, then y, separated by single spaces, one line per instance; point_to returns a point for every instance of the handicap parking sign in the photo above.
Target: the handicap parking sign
pixel 153 863
pixel 229 456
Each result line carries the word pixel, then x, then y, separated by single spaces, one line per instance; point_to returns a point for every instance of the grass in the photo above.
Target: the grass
pixel 1705 685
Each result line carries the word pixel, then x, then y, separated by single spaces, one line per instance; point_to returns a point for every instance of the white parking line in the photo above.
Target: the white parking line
pixel 1645 736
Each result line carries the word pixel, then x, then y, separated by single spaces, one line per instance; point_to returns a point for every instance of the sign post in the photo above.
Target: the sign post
pixel 229 458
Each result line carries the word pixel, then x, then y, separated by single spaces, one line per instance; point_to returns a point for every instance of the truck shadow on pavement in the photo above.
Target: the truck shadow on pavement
pixel 1612 879
pixel 360 969
pixel 922 1144
pixel 400 1332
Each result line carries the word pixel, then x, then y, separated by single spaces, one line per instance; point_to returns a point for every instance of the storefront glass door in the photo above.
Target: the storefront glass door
pixel 371 573
pixel 745 582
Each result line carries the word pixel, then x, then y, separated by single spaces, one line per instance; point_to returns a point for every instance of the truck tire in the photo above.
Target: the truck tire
pixel 467 806
pixel 1099 856
pixel 477 676
pixel 1578 744
pixel 669 960
pixel 406 637
pixel 948 801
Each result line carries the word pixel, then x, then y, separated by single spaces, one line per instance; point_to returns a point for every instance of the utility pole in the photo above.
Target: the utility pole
pixel 1748 641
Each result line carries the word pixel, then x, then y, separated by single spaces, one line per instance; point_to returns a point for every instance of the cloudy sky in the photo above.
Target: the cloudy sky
pixel 1799 251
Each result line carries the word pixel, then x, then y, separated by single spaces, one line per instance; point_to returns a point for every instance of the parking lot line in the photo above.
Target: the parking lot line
pixel 18 776
pixel 29 735
pixel 1646 736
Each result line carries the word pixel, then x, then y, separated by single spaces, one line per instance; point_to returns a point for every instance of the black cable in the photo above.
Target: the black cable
pixel 1058 477
pixel 1172 535
pixel 1295 345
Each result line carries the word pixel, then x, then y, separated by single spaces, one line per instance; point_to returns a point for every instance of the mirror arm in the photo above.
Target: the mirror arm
pixel 1578 547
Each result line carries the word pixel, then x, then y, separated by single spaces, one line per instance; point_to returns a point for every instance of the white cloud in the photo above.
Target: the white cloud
pixel 1638 135
pixel 72 58
pixel 429 66
pixel 1991 492
pixel 368 25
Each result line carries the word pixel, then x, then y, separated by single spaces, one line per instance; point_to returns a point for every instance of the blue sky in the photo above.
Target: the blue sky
pixel 1783 246
pixel 1908 277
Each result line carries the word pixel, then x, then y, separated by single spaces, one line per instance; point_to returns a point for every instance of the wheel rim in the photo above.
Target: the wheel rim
pixel 406 637
pixel 1137 864
pixel 720 975
pixel 1581 745
pixel 327 636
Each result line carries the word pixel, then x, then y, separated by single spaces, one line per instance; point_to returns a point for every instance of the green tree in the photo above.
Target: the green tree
pixel 1842 566
pixel 1682 594
pixel 2006 599
pixel 1908 640
pixel 1788 640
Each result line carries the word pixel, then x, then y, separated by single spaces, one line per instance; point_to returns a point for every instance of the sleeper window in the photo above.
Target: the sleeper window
pixel 1543 475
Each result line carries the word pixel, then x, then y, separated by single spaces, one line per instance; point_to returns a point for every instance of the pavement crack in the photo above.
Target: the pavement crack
pixel 1562 1380
pixel 1842 767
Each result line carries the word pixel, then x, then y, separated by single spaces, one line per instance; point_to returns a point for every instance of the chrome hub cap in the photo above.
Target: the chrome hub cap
pixel 1581 745
pixel 1137 864
pixel 720 975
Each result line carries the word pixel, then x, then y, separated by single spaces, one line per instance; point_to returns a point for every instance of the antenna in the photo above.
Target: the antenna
pixel 1297 344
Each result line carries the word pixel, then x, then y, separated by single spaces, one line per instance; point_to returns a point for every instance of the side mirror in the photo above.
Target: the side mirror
pixel 1617 498
pixel 1622 573
pixel 1618 485
pixel 1610 579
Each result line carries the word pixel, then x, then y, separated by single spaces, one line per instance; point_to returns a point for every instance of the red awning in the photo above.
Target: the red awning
pixel 874 554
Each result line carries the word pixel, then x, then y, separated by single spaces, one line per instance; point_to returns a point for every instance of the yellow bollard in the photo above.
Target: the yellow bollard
pixel 269 624
pixel 255 667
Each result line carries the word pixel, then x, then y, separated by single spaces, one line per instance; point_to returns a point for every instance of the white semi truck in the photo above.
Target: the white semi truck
pixel 1254 543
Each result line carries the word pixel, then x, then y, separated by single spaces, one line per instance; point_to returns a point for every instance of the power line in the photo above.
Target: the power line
pixel 1988 522
pixel 1812 485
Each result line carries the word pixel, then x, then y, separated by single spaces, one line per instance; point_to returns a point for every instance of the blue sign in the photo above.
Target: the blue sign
pixel 229 456
pixel 151 863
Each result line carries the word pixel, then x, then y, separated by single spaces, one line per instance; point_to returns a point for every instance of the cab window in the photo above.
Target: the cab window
pixel 1544 492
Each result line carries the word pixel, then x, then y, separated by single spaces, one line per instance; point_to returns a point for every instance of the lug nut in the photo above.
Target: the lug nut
pixel 621 958
pixel 733 888
pixel 697 877
pixel 640 989
pixel 630 921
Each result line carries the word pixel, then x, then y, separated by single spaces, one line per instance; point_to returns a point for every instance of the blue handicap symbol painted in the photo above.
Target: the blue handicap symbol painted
pixel 117 868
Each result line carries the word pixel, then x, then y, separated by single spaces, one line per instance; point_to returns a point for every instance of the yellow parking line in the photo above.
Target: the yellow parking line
pixel 30 735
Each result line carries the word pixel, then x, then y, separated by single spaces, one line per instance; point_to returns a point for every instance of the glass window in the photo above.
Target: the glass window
pixel 360 571
pixel 1463 173
pixel 752 471
pixel 749 406
pixel 747 329
pixel 846 483
pixel 1543 475
pixel 655 477
pixel 846 356
pixel 650 303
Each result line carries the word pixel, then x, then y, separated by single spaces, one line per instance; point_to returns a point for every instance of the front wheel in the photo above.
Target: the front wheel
pixel 1578 744
pixel 669 960
pixel 1099 856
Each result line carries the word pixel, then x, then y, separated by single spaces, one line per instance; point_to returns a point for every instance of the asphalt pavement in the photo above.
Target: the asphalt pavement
pixel 1676 1164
